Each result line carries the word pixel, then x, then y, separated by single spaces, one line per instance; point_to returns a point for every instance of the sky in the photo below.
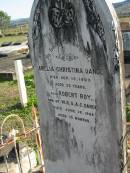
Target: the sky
pixel 16 8
pixel 20 8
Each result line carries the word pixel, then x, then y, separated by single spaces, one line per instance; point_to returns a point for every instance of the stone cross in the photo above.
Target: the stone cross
pixel 76 51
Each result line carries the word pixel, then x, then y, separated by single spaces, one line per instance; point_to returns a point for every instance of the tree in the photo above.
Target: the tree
pixel 4 20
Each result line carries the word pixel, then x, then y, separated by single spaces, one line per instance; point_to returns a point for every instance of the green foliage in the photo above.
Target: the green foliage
pixel 128 112
pixel 29 80
pixel 4 19
pixel 24 113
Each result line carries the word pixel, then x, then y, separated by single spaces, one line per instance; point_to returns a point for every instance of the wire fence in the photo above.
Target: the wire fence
pixel 20 148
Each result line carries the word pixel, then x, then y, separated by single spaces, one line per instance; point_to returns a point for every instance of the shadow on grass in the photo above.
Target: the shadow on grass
pixel 10 108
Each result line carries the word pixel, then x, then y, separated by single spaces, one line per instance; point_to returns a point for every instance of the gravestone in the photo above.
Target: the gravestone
pixel 126 39
pixel 75 51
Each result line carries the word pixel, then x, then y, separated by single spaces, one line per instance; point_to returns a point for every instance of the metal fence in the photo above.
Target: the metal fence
pixel 24 144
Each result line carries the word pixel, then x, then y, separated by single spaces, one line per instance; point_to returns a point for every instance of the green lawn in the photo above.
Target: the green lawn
pixel 15 30
pixel 8 94
pixel 9 99
pixel 19 38
pixel 15 34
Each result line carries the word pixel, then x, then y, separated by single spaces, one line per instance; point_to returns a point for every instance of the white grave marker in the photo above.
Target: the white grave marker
pixel 21 82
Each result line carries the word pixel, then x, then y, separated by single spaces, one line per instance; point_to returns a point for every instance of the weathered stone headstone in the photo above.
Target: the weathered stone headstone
pixel 75 53
pixel 126 38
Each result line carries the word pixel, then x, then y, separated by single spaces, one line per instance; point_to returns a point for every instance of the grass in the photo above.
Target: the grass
pixel 10 103
pixel 19 38
pixel 124 19
pixel 15 30
pixel 14 34
pixel 8 94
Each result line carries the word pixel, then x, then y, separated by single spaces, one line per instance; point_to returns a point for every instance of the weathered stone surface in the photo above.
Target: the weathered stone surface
pixel 75 52
pixel 126 38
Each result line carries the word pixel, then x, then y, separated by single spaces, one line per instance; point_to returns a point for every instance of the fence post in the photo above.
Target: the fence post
pixel 21 82
pixel 38 137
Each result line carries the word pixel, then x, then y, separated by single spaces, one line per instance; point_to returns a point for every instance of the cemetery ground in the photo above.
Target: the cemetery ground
pixel 10 104
pixel 9 99
pixel 9 95
pixel 14 34
pixel 15 30
pixel 18 38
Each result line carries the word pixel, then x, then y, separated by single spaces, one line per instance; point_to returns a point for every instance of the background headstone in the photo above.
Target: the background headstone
pixel 75 51
pixel 126 38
